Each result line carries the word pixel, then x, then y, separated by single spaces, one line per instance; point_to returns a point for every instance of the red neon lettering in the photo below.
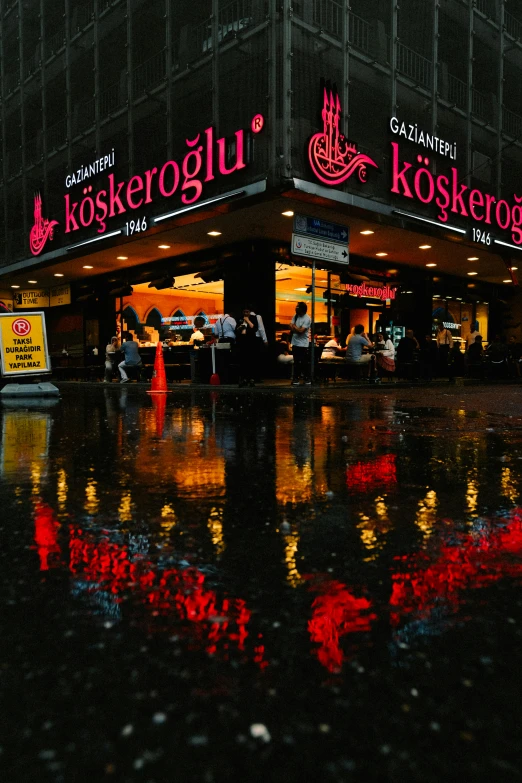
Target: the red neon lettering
pixel 114 197
pixel 490 200
pixel 161 183
pixel 239 164
pixel 400 176
pixel 189 181
pixel 431 185
pixel 476 199
pixel 443 181
pixel 498 215
pixel 90 203
pixel 71 223
pixel 132 189
pixel 457 195
pixel 101 204
pixel 148 184
pixel 210 154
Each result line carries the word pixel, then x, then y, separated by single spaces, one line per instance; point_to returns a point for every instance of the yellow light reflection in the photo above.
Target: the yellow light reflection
pixel 215 526
pixel 472 497
pixel 62 488
pixel 91 502
pixel 293 576
pixel 507 484
pixel 169 519
pixel 294 483
pixel 427 513
pixel 125 508
pixel 36 476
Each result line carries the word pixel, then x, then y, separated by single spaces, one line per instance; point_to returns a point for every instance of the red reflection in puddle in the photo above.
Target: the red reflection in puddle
pixel 209 622
pixel 46 528
pixel 379 472
pixel 335 613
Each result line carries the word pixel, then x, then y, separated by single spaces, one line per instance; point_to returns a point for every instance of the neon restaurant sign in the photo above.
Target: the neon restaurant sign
pixel 206 158
pixel 333 160
pixel 372 292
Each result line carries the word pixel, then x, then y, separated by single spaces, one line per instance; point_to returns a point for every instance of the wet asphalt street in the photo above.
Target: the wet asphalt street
pixel 262 586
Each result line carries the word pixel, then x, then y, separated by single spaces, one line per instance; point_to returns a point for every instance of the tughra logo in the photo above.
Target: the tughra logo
pixel 332 157
pixel 42 229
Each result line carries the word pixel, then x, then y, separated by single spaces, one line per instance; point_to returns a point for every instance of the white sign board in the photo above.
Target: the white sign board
pixel 310 247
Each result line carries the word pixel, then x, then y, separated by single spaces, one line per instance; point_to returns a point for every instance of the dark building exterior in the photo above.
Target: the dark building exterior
pixel 128 125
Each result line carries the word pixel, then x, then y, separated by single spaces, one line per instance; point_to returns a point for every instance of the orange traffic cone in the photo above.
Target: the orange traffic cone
pixel 159 379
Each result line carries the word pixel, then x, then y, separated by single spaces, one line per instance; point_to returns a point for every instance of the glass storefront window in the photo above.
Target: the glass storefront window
pixel 460 317
pixel 169 314
pixel 293 284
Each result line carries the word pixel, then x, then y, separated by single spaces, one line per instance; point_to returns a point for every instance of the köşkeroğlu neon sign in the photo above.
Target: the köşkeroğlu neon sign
pixel 372 292
pixel 333 160
pixel 206 156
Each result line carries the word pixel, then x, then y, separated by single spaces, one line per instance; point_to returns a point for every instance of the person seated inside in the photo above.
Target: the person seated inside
pixel 385 353
pixel 332 350
pixel 111 351
pixel 475 351
pixel 132 357
pixel 283 349
pixel 354 349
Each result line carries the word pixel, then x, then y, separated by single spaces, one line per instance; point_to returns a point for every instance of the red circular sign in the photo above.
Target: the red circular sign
pixel 21 327
pixel 257 123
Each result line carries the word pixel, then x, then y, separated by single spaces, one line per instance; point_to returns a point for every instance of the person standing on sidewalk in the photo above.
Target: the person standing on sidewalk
pixel 444 343
pixel 300 328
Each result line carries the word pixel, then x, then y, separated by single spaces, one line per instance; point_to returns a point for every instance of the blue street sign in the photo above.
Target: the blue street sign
pixel 316 227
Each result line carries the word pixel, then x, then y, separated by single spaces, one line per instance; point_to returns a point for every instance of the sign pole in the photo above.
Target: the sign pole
pixel 312 351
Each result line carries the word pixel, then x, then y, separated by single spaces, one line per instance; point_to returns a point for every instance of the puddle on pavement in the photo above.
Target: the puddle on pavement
pixel 227 523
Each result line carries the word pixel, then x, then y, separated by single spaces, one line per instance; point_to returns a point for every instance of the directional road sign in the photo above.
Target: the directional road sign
pixel 311 247
pixel 316 227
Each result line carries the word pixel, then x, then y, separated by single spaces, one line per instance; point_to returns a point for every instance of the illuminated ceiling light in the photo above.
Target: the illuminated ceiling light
pixel 472 273
pixel 58 274
pixel 506 281
pixel 408 292
pixel 164 247
pixel 367 232
pixel 381 255
pixel 514 268
pixel 431 264
pixel 214 233
pixel 33 282
pixel 288 213
pixel 122 258
pixel 471 285
pixel 473 258
pixel 436 296
pixel 88 266
pixel 300 289
pixel 393 271
pixel 424 247
pixel 15 286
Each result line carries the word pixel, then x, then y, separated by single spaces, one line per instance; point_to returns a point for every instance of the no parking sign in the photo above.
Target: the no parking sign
pixel 23 344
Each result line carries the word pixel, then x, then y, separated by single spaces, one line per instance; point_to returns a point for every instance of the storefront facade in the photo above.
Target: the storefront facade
pixel 172 194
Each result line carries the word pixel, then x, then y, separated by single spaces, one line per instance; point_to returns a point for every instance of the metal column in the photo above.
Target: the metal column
pixel 169 101
pixel 435 70
pixel 97 118
pixel 394 42
pixel 287 88
pixel 346 70
pixel 44 100
pixel 469 156
pixel 22 116
pixel 68 97
pixel 215 64
pixel 500 97
pixel 272 92
pixel 130 111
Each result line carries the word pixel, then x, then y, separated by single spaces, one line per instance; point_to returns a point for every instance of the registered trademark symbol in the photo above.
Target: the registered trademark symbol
pixel 258 123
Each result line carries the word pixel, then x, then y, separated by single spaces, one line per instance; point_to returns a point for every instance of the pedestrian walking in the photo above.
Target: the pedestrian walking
pixel 300 329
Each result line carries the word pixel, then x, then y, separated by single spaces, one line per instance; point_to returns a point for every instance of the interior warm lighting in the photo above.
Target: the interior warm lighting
pixel 513 269
pixel 288 213
pixel 300 289
pixel 473 258
pixel 214 233
pixel 506 281
pixel 393 271
pixel 381 255
pixel 58 274
pixel 367 232
pixel 431 264
pixel 15 286
pixel 122 258
pixel 424 247
pixel 472 273
pixel 33 282
pixel 88 266
pixel 164 247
